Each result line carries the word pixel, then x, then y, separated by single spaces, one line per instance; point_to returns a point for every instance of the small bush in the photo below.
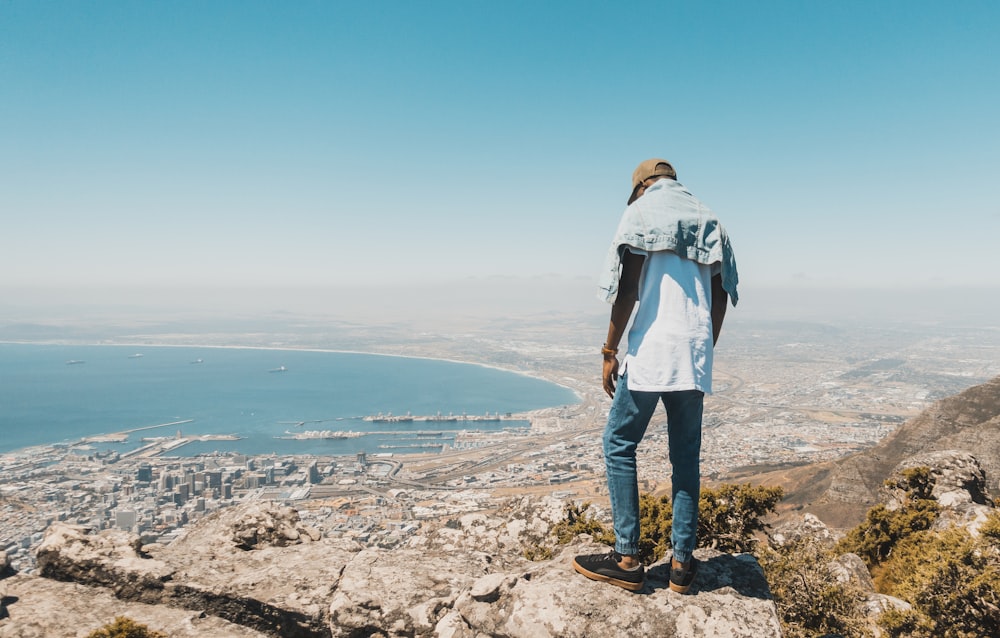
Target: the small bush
pixel 579 520
pixel 874 539
pixel 883 529
pixel 951 579
pixel 728 519
pixel 917 482
pixel 124 627
pixel 810 601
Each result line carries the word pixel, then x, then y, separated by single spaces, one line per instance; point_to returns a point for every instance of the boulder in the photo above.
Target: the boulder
pixel 849 568
pixel 959 487
pixel 808 527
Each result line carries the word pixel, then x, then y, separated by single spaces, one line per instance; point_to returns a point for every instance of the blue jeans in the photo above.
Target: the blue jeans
pixel 627 421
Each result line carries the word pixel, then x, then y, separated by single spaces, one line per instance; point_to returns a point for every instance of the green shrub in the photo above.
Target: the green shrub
pixel 578 520
pixel 917 482
pixel 809 599
pixel 729 516
pixel 951 579
pixel 874 539
pixel 124 627
pixel 990 529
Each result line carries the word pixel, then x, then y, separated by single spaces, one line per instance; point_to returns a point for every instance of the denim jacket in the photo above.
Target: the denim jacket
pixel 668 217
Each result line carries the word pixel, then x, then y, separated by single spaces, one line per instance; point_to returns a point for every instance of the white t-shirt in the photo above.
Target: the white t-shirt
pixel 670 342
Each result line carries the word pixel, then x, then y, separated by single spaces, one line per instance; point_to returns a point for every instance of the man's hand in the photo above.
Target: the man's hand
pixel 610 374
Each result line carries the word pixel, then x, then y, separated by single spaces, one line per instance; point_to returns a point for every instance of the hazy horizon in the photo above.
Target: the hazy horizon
pixel 540 301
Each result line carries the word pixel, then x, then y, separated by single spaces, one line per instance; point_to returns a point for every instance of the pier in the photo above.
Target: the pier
pixel 438 418
pixel 122 436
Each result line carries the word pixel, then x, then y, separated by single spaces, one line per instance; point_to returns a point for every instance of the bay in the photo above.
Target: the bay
pixel 52 394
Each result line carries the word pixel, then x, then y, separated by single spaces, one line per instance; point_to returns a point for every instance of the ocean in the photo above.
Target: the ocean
pixel 51 394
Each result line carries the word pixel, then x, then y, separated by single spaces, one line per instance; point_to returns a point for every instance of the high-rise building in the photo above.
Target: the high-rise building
pixel 125 519
pixel 213 479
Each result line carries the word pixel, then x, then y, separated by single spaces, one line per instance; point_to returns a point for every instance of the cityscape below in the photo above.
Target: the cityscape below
pixel 786 393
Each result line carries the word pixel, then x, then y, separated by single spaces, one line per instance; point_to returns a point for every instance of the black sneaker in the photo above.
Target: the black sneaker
pixel 605 567
pixel 682 577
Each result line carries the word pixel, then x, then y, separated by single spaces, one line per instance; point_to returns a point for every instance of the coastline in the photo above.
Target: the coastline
pixel 528 415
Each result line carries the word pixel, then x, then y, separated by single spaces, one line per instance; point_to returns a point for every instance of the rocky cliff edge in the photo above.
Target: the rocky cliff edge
pixel 255 570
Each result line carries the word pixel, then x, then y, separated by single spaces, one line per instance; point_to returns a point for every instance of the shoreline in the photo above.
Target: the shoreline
pixel 527 415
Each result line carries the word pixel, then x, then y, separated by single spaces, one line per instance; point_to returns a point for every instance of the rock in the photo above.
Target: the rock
pixel 37 607
pixel 808 527
pixel 959 487
pixel 111 559
pixel 463 578
pixel 849 568
pixel 263 523
pixel 4 562
pixel 877 604
pixel 276 587
pixel 404 588
pixel 549 599
pixel 958 477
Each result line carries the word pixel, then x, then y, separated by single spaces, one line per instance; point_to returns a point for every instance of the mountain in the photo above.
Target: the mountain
pixel 840 492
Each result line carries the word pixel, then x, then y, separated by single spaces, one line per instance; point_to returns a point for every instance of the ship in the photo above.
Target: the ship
pixel 320 434
pixel 73 362
pixel 279 369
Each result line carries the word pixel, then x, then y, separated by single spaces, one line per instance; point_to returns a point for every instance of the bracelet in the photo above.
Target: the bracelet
pixel 606 350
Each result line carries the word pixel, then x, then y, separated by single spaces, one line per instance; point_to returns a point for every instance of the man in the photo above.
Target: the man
pixel 672 257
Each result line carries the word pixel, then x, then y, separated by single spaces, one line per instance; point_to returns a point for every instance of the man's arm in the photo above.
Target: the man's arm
pixel 720 299
pixel 621 311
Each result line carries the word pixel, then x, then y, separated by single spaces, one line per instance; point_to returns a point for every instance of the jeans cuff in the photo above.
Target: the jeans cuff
pixel 627 550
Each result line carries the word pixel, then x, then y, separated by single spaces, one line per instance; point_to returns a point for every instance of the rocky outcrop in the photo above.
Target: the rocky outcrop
pixel 957 482
pixel 840 492
pixel 807 527
pixel 256 566
pixel 283 585
pixel 959 487
pixel 550 599
pixel 34 607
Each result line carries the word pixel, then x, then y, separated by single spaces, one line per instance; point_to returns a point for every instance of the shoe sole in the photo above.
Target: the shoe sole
pixel 683 589
pixel 624 584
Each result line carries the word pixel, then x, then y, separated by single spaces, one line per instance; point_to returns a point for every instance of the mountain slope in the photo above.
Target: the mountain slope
pixel 840 492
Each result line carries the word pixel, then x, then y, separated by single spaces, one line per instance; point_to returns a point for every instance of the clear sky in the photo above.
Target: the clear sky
pixel 843 144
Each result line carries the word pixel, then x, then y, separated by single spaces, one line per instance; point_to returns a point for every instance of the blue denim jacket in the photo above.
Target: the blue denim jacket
pixel 668 217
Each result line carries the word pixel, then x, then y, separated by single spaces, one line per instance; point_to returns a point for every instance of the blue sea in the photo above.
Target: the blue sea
pixel 53 394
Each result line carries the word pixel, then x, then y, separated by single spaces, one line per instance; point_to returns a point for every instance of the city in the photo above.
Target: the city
pixel 781 399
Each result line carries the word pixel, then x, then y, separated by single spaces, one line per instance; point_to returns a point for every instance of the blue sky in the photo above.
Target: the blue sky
pixel 847 144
